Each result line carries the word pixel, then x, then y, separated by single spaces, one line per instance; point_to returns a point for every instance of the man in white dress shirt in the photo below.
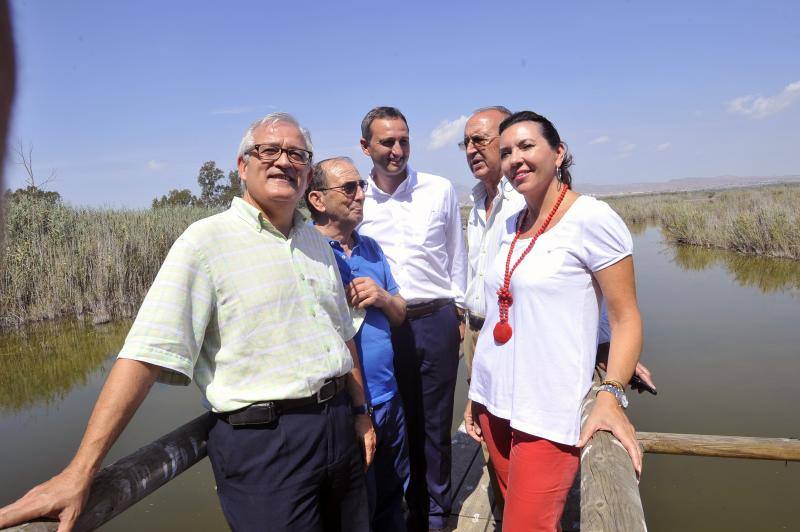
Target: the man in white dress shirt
pixel 414 217
pixel 494 200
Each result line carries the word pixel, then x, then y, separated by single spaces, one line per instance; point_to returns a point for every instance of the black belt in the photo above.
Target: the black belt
pixel 269 411
pixel 475 321
pixel 418 310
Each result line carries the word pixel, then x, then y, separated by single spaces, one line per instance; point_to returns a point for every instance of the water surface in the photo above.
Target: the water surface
pixel 722 336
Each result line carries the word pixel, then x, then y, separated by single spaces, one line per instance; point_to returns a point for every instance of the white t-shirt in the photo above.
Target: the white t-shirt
pixel 538 379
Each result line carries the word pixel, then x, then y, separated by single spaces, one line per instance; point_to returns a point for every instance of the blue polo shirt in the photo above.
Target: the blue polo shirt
pixel 374 338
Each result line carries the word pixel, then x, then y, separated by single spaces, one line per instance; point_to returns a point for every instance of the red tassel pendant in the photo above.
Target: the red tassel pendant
pixel 502 332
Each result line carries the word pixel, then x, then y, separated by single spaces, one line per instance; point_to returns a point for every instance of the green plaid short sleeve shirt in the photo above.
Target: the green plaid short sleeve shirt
pixel 247 313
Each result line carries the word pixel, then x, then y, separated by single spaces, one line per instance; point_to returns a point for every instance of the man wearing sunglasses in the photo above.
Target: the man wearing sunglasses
pixel 414 217
pixel 335 199
pixel 250 305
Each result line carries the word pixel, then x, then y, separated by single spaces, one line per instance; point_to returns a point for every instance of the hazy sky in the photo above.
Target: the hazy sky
pixel 126 101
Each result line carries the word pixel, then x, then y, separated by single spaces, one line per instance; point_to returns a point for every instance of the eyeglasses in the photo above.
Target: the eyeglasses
pixel 476 140
pixel 349 188
pixel 270 152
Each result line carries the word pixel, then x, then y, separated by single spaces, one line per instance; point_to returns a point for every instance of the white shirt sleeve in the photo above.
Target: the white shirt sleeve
pixel 456 251
pixel 606 238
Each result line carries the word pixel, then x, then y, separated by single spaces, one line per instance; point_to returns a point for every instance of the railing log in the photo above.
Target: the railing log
pixel 608 497
pixel 787 449
pixel 605 496
pixel 130 479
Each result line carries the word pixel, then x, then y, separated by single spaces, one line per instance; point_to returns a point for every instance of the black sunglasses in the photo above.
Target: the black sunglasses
pixel 349 188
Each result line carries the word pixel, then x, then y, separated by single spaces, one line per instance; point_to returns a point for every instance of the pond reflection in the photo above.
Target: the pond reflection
pixel 637 228
pixel 769 275
pixel 40 364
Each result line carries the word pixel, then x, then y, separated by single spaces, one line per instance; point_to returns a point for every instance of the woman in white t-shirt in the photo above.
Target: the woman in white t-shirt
pixel 561 257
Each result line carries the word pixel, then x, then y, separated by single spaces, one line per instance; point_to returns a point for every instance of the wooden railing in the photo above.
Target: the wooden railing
pixel 605 496
pixel 122 484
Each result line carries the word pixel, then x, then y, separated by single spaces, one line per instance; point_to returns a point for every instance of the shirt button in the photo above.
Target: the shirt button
pixel 313 313
pixel 302 277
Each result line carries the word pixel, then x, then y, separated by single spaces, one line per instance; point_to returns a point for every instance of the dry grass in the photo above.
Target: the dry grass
pixel 756 221
pixel 61 261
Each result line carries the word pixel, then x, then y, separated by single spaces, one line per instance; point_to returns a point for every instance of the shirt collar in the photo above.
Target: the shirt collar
pixel 505 187
pixel 407 184
pixel 338 245
pixel 478 194
pixel 256 219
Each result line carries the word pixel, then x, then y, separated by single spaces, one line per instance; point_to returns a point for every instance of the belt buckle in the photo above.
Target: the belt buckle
pixel 327 392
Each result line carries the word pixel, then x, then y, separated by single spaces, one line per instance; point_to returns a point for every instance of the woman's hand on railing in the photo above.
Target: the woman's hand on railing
pixel 608 415
pixel 471 424
pixel 62 497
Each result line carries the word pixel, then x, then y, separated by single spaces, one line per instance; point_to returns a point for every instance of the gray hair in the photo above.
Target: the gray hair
pixel 248 141
pixel 319 180
pixel 504 110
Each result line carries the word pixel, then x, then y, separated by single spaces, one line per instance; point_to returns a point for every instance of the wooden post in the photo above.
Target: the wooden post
pixel 127 481
pixel 608 497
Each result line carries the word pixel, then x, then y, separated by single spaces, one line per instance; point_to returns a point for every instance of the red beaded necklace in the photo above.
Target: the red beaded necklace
pixel 502 330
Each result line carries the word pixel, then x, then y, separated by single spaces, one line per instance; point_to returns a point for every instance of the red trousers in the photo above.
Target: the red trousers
pixel 534 474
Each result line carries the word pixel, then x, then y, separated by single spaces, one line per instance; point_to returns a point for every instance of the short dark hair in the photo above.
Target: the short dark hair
pixel 319 180
pixel 550 134
pixel 377 113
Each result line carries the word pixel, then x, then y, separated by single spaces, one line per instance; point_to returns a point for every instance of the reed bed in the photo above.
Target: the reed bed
pixel 61 261
pixel 756 221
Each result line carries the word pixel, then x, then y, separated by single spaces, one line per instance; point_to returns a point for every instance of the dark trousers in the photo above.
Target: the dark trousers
pixel 426 364
pixel 387 476
pixel 302 472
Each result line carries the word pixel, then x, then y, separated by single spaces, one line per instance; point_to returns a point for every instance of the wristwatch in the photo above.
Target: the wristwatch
pixel 364 409
pixel 618 394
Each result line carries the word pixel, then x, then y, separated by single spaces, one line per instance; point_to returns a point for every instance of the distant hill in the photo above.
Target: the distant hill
pixel 673 185
pixel 683 184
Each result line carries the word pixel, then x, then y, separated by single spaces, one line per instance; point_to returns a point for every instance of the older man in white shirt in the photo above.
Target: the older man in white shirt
pixel 414 217
pixel 494 199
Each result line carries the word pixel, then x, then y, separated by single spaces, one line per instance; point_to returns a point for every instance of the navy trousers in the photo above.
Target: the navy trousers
pixel 426 364
pixel 302 472
pixel 387 476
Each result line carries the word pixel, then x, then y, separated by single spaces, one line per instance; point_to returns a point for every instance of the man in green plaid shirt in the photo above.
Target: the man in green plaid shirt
pixel 250 305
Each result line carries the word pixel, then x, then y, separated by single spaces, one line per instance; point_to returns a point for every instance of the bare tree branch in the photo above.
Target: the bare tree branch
pixel 25 159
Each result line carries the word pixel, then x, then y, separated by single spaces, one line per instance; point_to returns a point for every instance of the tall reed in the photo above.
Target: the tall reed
pixel 62 261
pixel 757 221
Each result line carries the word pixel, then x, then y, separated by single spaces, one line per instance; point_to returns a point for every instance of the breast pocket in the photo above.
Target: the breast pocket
pixel 429 231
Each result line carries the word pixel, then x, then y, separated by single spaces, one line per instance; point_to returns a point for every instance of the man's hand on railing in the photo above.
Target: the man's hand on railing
pixel 62 497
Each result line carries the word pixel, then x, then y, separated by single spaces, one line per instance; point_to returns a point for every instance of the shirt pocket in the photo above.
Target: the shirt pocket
pixel 429 231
